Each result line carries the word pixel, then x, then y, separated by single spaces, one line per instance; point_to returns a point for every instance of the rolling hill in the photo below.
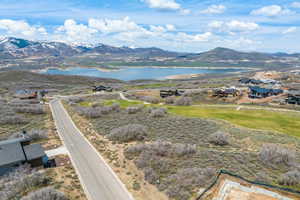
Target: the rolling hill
pixel 16 53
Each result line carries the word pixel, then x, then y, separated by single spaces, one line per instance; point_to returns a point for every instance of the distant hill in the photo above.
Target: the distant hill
pixel 20 48
pixel 24 54
pixel 229 54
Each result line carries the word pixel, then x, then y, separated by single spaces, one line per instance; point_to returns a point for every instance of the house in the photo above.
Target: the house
pixel 258 92
pixel 30 94
pixel 250 81
pixel 270 81
pixel 257 82
pixel 226 92
pixel 293 97
pixel 15 152
pixel 101 88
pixel 168 93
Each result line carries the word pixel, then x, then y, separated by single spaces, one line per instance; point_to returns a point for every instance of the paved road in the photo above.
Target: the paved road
pixel 96 177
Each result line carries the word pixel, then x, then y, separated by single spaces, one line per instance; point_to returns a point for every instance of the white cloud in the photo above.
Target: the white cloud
pixel 185 11
pixel 214 9
pixel 216 24
pixel 113 26
pixel 184 37
pixel 73 32
pixel 289 30
pixel 233 26
pixel 163 4
pixel 162 29
pixel 271 11
pixel 236 25
pixel 157 29
pixel 21 28
pixel 295 4
pixel 170 27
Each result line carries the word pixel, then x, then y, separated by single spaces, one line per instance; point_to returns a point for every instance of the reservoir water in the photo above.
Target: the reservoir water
pixel 134 73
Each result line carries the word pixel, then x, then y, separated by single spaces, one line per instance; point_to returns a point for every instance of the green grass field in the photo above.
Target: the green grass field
pixel 123 103
pixel 283 122
pixel 151 86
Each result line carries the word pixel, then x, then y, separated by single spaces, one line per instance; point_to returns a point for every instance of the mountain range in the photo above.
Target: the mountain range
pixel 16 52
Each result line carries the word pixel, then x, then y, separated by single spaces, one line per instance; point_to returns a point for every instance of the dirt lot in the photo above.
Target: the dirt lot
pixel 245 99
pixel 230 188
pixel 65 179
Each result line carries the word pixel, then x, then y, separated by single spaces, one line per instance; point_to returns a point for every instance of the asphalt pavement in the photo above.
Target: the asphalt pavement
pixel 97 178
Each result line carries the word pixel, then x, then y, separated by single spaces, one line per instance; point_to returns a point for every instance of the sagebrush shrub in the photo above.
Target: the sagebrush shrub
pixel 274 154
pixel 219 138
pixel 163 149
pixel 13 120
pixel 31 109
pixel 290 178
pixel 179 185
pixel 150 99
pixel 21 180
pixel 47 193
pixel 158 112
pixel 183 101
pixel 128 133
pixel 170 100
pixel 133 110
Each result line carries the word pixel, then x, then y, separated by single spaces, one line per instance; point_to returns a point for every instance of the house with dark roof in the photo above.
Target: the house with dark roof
pixel 258 92
pixel 15 152
pixel 226 92
pixel 293 97
pixel 250 81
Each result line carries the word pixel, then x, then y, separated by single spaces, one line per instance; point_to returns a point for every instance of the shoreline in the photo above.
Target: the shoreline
pixel 68 68
pixel 180 67
pixel 169 77
pixel 182 76
pixel 120 68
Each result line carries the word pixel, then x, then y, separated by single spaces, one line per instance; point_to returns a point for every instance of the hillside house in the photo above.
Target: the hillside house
pixel 250 81
pixel 258 92
pixel 15 152
pixel 102 88
pixel 168 93
pixel 293 97
pixel 227 92
pixel 30 94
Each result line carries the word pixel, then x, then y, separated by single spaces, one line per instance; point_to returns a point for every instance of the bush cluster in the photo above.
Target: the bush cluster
pixel 274 155
pixel 150 99
pixel 31 109
pixel 157 112
pixel 96 112
pixel 130 132
pixel 219 138
pixel 47 193
pixel 134 110
pixel 13 120
pixel 162 148
pixel 290 178
pixel 170 100
pixel 24 102
pixel 21 180
pixel 179 186
pixel 183 101
pixel 75 99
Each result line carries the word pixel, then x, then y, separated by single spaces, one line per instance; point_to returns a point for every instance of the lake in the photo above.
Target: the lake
pixel 134 73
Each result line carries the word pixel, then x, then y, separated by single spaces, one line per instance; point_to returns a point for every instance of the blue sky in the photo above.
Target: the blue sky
pixel 178 25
